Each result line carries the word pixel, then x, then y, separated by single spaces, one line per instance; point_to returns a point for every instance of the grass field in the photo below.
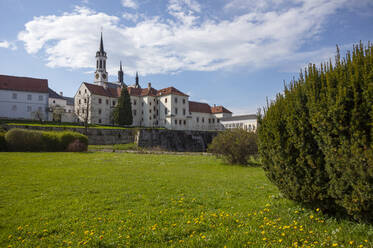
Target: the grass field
pixel 135 200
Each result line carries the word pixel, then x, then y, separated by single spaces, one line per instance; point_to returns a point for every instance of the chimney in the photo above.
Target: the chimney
pixel 149 85
pixel 61 93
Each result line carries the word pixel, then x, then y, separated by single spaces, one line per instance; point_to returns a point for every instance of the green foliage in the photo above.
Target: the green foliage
pixel 3 145
pixel 37 141
pixel 316 138
pixel 235 146
pixel 122 113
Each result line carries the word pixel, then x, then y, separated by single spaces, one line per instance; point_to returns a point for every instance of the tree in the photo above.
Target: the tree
pixel 82 111
pixel 57 112
pixel 122 113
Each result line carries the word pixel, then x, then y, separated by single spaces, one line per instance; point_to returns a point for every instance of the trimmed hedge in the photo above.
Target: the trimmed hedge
pixel 235 146
pixel 315 139
pixel 3 146
pixel 22 140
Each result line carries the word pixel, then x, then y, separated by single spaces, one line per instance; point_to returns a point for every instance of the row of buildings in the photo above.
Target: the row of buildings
pixel 30 98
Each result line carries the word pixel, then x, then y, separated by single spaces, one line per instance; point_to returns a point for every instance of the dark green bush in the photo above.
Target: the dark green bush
pixel 316 138
pixel 37 141
pixel 235 146
pixel 3 146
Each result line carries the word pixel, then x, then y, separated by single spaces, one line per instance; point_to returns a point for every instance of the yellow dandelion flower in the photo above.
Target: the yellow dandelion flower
pixel 280 240
pixel 101 237
pixel 10 236
pixel 334 244
pixel 203 237
pixel 317 209
pixel 19 228
pixel 264 239
pixel 282 234
pixel 86 232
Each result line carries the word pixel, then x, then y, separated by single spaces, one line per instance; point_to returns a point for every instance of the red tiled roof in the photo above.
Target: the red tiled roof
pixel 101 91
pixel 170 90
pixel 219 109
pixel 142 92
pixel 23 84
pixel 199 107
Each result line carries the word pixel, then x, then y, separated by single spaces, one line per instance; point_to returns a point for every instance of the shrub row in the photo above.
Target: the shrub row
pixel 235 146
pixel 22 140
pixel 315 139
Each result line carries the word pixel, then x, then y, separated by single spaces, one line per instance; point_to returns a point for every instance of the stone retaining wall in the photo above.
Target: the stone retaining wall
pixel 169 140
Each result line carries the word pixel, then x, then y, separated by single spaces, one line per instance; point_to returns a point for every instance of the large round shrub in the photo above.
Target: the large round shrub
pixel 236 146
pixel 315 139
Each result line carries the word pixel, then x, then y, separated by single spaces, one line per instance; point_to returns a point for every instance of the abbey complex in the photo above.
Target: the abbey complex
pixel 31 98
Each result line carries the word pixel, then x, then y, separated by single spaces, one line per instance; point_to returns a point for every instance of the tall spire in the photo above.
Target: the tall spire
pixel 120 73
pixel 137 85
pixel 101 45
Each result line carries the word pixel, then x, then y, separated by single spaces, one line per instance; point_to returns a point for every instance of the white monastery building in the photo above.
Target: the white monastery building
pixel 247 122
pixel 61 108
pixel 168 107
pixel 23 97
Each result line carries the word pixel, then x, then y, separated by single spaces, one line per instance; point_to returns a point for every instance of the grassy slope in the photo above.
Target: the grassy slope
pixel 110 200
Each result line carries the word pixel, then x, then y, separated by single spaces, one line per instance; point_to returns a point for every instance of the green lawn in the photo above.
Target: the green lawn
pixel 135 200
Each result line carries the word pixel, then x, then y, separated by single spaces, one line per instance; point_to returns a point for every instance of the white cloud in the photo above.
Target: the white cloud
pixel 7 44
pixel 129 4
pixel 132 17
pixel 167 45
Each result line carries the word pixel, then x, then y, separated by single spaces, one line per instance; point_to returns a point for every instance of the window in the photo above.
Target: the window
pixel 203 119
pixel 40 109
pixel 184 111
pixel 85 90
pixel 83 111
pixel 107 102
pixel 99 111
pixel 79 101
pixel 153 99
pixel 217 120
pixel 100 63
pixel 54 101
pixel 179 122
pixel 85 100
pixel 165 100
pixel 80 92
pixel 175 122
pixel 96 63
pixel 150 117
pixel 150 103
pixel 165 111
pixel 134 112
pixel 28 108
pixel 99 120
pixel 134 102
pixel 142 104
pixel 99 100
pixel 104 64
pixel 154 116
pixel 197 119
pixel 78 111
pixel 142 112
pixel 150 110
pixel 14 96
pixel 113 103
pixel 209 120
pixel 175 99
pixel 175 111
pixel 183 101
pixel 29 97
pixel 154 108
pixel 184 122
pixel 14 108
pixel 69 111
pixel 213 120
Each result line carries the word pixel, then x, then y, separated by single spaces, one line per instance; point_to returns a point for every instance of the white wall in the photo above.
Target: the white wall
pixel 22 106
pixel 248 124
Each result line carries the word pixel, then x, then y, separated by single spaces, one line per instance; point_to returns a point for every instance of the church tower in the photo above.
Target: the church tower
pixel 101 75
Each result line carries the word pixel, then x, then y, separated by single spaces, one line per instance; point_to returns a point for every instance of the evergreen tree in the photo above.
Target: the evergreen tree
pixel 122 113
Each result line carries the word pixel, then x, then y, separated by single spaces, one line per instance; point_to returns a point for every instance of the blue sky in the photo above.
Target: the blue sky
pixel 233 53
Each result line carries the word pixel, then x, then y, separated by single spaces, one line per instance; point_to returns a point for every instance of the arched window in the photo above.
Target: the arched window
pixel 100 63
pixel 96 63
